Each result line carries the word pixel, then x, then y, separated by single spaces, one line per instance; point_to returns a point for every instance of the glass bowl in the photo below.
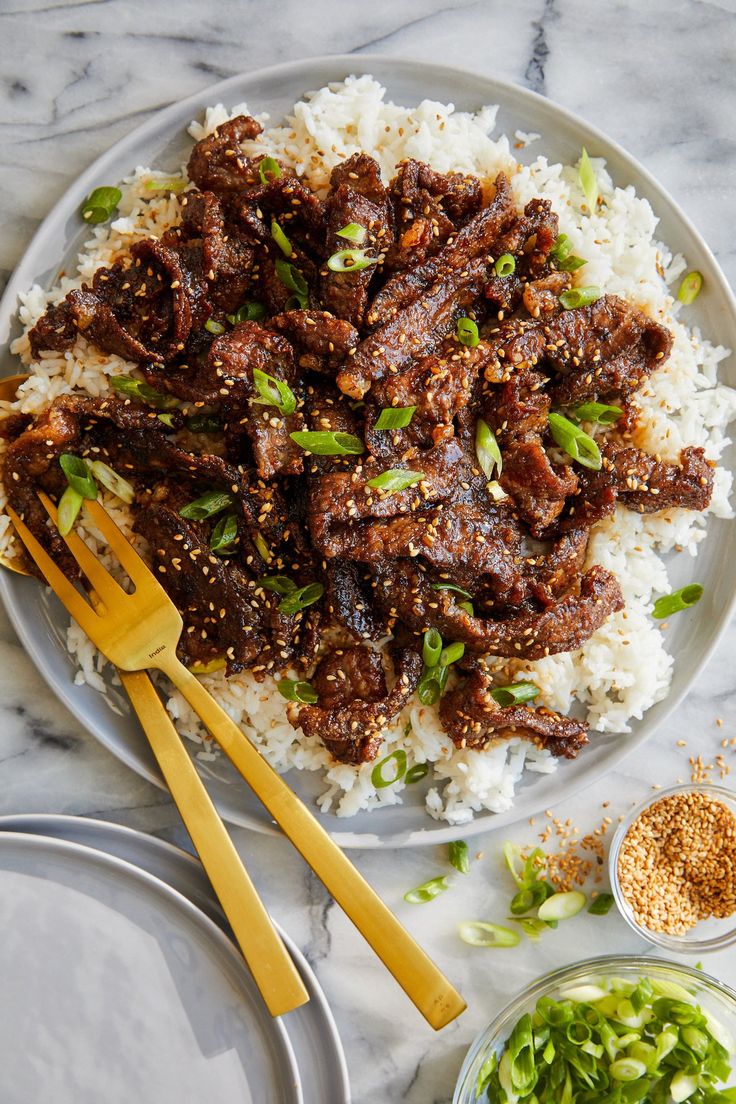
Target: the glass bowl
pixel 708 935
pixel 711 994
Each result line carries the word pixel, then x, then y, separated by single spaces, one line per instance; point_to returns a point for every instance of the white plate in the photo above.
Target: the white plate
pixel 162 142
pixel 312 1039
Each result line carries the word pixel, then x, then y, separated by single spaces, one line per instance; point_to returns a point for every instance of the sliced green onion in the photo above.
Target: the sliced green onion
pixel 431 647
pixel 350 260
pixel 479 933
pixel 427 891
pixel 219 663
pixel 485 1073
pixel 281 239
pixel 571 264
pixel 588 181
pixel 690 288
pixel 69 506
pixel 528 898
pixel 459 855
pixel 291 277
pixel 512 856
pixel 204 423
pixel 681 599
pixel 516 693
pixel 395 417
pixel 166 184
pixel 110 479
pixel 273 392
pixel 353 232
pixel 262 548
pixel 601 905
pixel 100 204
pixel 297 691
pixel 598 412
pixel 251 311
pixel 416 773
pixel 207 505
pixel 451 587
pixel 224 533
pixel 166 419
pixel 627 1069
pixel 269 169
pixel 328 443
pixel 78 475
pixel 467 332
pixel 561 906
pixel 395 479
pixel 137 389
pixel 214 327
pixel 520 1050
pixel 431 685
pixel 531 927
pixel 561 249
pixel 279 584
pixel 505 265
pixel 575 442
pixel 379 779
pixel 301 598
pixel 451 654
pixel 468 607
pixel 486 449
pixel 580 297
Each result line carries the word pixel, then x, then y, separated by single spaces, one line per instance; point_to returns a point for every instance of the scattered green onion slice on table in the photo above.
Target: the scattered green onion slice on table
pixel 273 392
pixel 427 891
pixel 530 897
pixel 505 265
pixel 681 599
pixel 297 691
pixel 281 239
pixel 467 332
pixel 690 288
pixel 379 779
pixel 561 906
pixel 214 327
pixel 138 389
pixel 588 180
pixel 278 584
pixel 531 927
pixel 395 479
pixel 207 505
pixel 269 169
pixel 451 587
pixel 328 442
pixel 251 311
pixel 601 905
pixel 513 857
pixel 353 232
pixel 395 417
pixel 486 449
pixel 100 204
pixel 576 443
pixel 451 654
pixel 580 297
pixel 113 482
pixel 416 773
pixel 225 533
pixel 598 412
pixel 514 694
pixel 431 647
pixel 78 475
pixel 459 855
pixel 350 260
pixel 479 933
pixel 69 506
pixel 301 598
pixel 166 184
pixel 571 264
pixel 561 249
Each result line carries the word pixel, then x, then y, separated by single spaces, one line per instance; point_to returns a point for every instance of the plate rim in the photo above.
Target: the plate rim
pixel 435 832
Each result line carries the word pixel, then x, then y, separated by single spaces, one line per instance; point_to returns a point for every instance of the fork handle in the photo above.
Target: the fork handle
pixel 415 972
pixel 270 963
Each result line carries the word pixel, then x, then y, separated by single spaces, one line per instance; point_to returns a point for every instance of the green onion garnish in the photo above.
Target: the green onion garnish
pixel 468 607
pixel 78 475
pixel 459 855
pixel 431 647
pixel 353 232
pixel 571 264
pixel 531 927
pixel 505 265
pixel 110 479
pixel 601 905
pixel 279 584
pixel 575 442
pixel 514 694
pixel 531 896
pixel 416 773
pixel 395 479
pixel 328 442
pixel 395 417
pixel 224 533
pixel 451 654
pixel 379 779
pixel 427 891
pixel 561 249
pixel 166 184
pixel 262 548
pixel 214 327
pixel 681 599
pixel 690 288
pixel 297 691
pixel 588 180
pixel 269 169
pixel 301 598
pixel 486 449
pixel 137 389
pixel 273 392
pixel 452 587
pixel 598 412
pixel 204 423
pixel 166 419
pixel 207 505
pixel 479 933
pixel 100 204
pixel 249 312
pixel 580 297
pixel 281 239
pixel 431 685
pixel 217 663
pixel 291 278
pixel 561 906
pixel 69 506
pixel 350 260
pixel 467 332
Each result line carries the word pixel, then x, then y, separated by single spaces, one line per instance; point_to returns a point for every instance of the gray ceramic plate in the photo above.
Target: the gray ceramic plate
pixel 162 142
pixel 310 1030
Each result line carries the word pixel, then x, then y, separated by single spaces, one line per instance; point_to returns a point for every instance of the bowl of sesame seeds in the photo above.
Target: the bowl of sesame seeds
pixel 672 866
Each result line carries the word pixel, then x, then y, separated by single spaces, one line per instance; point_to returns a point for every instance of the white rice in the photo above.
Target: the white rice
pixel 624 668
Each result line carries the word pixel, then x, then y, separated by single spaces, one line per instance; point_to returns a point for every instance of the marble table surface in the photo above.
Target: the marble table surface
pixel 659 79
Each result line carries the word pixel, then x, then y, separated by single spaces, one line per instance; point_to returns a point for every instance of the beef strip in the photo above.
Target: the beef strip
pixel 216 163
pixel 321 340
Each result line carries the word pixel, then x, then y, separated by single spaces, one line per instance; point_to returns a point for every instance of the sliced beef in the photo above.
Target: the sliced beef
pixel 322 341
pixel 217 164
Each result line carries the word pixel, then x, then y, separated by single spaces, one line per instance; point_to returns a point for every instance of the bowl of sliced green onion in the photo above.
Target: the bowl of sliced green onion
pixel 612 1030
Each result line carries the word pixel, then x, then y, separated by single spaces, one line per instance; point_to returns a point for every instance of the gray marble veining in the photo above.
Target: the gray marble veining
pixel 658 78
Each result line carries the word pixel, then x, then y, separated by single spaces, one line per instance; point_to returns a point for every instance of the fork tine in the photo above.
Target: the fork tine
pixel 138 571
pixel 75 604
pixel 99 576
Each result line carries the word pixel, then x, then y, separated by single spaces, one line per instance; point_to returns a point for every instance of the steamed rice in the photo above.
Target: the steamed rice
pixel 624 668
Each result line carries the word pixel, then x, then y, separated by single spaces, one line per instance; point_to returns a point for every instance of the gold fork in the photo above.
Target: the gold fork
pixel 140 631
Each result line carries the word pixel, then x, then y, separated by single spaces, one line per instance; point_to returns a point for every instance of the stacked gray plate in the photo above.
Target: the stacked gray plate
pixel 120 982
